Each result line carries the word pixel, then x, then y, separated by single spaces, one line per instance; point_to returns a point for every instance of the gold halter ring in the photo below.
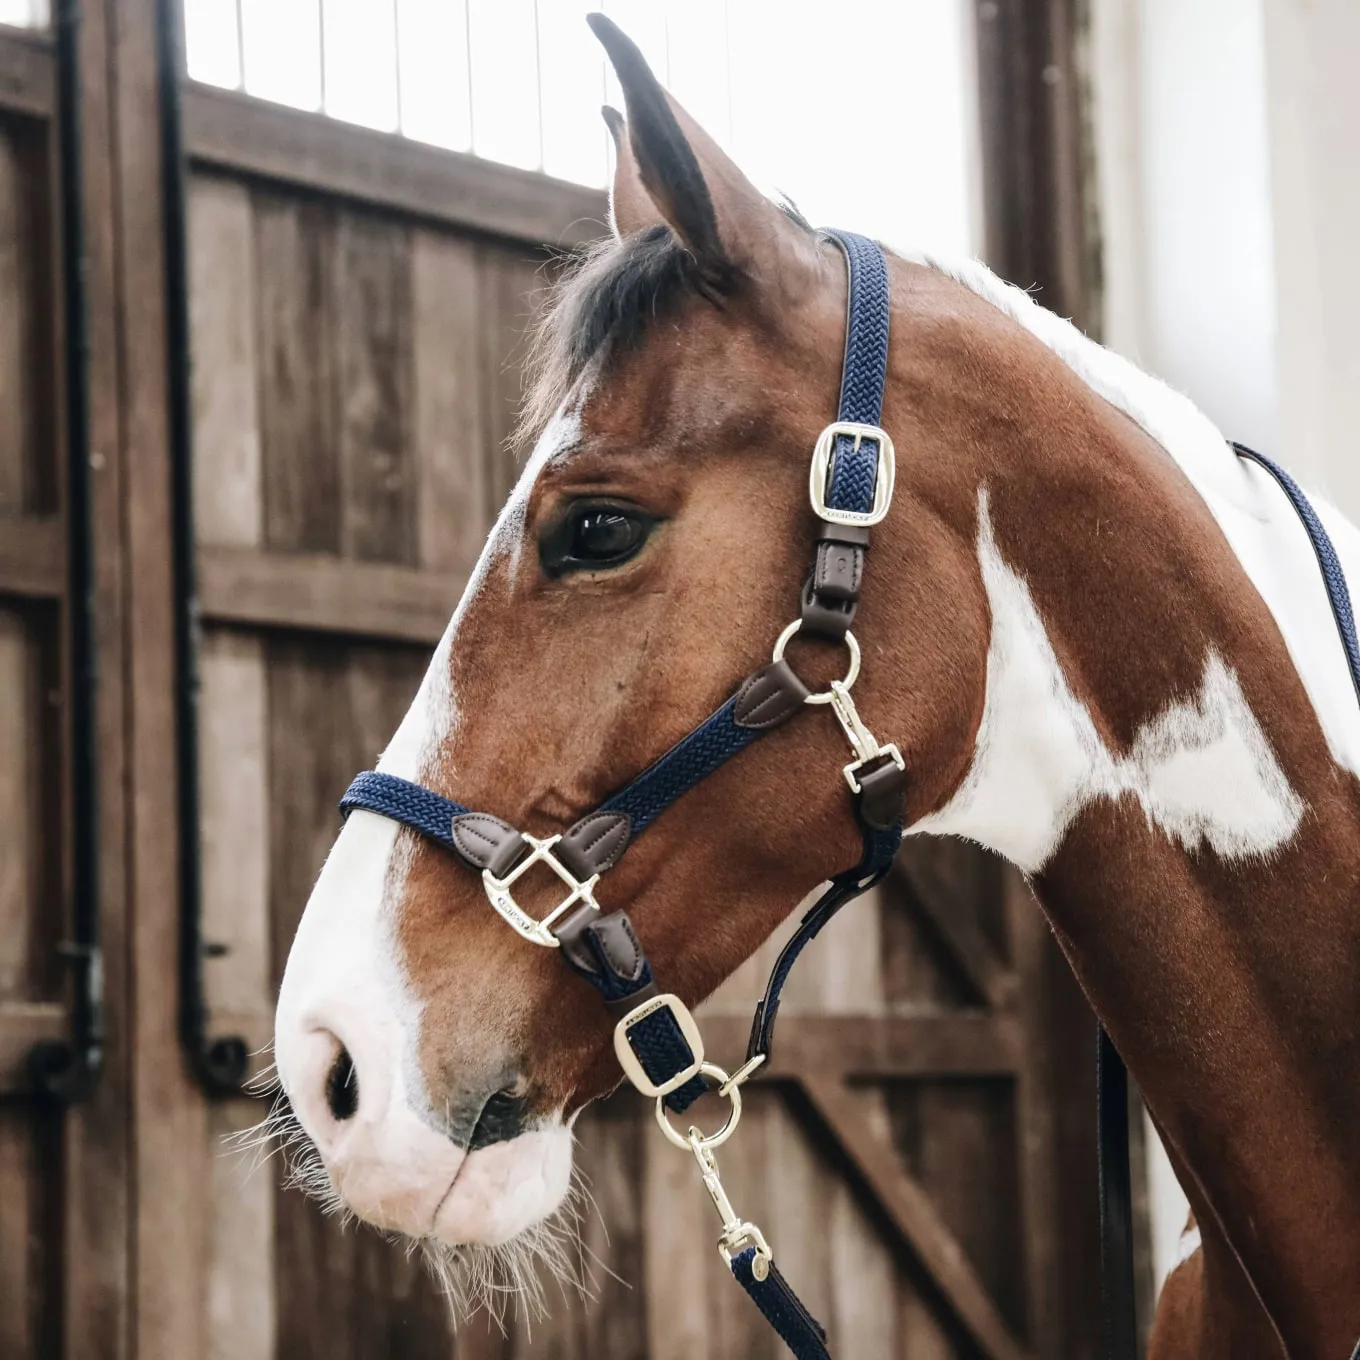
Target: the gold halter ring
pixel 851 674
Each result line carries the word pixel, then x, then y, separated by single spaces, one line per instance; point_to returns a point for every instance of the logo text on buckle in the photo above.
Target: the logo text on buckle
pixel 498 891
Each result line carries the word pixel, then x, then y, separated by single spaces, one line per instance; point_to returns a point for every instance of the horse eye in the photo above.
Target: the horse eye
pixel 603 535
pixel 594 537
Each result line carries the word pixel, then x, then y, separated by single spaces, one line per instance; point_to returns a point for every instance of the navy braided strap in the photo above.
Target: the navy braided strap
pixel 692 759
pixel 403 801
pixel 781 1308
pixel 1338 596
pixel 864 371
pixel 663 1053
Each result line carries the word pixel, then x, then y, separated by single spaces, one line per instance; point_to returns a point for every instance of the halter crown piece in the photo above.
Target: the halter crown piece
pixel 656 1037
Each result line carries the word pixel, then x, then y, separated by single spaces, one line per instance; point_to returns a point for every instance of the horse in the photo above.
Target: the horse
pixel 1095 636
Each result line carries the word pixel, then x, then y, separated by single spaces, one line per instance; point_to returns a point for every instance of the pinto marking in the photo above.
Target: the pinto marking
pixel 1202 769
pixel 1260 525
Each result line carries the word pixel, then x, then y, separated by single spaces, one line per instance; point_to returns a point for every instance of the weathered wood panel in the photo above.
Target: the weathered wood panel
pixel 19 764
pixel 450 403
pixel 346 163
pixel 372 337
pixel 294 253
pixel 239 1247
pixel 512 288
pixel 17 392
pixel 31 860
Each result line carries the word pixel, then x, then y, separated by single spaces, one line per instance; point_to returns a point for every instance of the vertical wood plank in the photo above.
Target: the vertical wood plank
pixel 864 1280
pixel 228 507
pixel 294 253
pixel 228 503
pixel 170 1120
pixel 799 1187
pixel 17 805
pixel 610 1155
pixel 958 1139
pixel 240 1322
pixel 371 311
pixel 512 290
pixel 17 1283
pixel 15 394
pixel 449 402
pixel 99 1223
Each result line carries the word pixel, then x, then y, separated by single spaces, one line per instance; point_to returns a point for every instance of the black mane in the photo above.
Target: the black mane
pixel 602 306
pixel 604 303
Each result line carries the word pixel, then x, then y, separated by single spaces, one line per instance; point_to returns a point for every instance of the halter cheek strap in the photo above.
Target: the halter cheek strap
pixel 656 1038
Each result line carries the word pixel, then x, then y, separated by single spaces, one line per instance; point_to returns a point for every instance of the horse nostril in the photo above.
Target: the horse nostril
pixel 501 1118
pixel 342 1086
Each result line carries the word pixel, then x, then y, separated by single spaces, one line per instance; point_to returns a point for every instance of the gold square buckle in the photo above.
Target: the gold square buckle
pixel 629 1061
pixel 498 891
pixel 823 455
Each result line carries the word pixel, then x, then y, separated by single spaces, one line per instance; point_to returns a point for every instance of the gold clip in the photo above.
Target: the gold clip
pixel 862 741
pixel 736 1233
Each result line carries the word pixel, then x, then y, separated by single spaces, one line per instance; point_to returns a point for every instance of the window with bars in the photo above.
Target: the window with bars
pixel 522 81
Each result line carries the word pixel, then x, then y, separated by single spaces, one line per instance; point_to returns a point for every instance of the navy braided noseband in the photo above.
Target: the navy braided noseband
pixel 656 1038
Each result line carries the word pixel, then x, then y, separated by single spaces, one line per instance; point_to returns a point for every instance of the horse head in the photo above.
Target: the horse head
pixel 650 554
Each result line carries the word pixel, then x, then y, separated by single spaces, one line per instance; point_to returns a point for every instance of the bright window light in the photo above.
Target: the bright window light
pixel 212 35
pixel 359 58
pixel 24 13
pixel 892 152
pixel 436 100
pixel 281 46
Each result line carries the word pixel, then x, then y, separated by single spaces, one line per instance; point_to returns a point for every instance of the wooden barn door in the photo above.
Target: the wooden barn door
pixel 63 1173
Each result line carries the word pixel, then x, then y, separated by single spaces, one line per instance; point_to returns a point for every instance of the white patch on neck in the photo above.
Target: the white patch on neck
pixel 1202 769
pixel 1257 520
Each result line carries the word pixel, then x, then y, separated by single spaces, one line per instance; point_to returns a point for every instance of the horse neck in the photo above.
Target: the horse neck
pixel 1149 757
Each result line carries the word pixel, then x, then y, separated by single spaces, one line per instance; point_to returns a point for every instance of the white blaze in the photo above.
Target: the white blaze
pixel 345 978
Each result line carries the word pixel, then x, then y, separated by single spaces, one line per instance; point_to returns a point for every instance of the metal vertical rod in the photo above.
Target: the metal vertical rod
pixel 66 1070
pixel 220 1063
pixel 240 45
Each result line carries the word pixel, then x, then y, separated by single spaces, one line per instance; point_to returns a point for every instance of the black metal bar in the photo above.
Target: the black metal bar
pixel 66 1070
pixel 220 1062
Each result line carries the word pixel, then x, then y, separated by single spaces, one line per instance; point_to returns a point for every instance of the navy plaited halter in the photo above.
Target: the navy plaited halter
pixel 656 1038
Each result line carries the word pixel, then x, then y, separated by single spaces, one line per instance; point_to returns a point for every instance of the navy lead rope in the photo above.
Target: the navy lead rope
pixel 603 947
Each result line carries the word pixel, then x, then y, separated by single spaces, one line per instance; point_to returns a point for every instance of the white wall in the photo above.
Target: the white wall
pixel 1313 99
pixel 1228 143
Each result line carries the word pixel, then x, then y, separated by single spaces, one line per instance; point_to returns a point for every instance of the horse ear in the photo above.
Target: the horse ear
pixel 671 171
pixel 630 205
